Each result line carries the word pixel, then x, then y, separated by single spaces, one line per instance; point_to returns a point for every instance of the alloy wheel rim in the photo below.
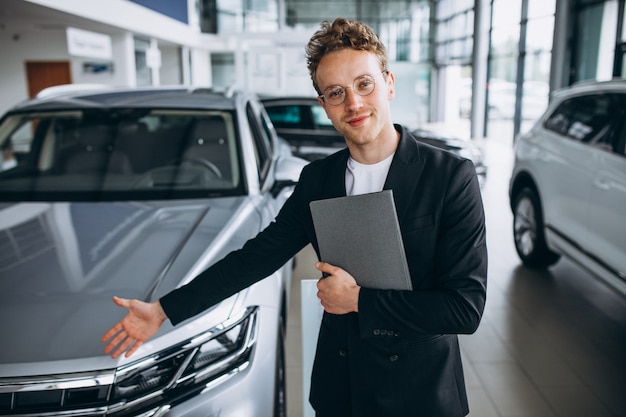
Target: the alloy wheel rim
pixel 525 226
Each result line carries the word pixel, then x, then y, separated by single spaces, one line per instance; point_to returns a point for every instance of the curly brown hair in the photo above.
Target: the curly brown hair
pixel 340 34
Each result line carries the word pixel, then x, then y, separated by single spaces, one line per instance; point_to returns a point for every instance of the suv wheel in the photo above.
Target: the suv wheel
pixel 528 231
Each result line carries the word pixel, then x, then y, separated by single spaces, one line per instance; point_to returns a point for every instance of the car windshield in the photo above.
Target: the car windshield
pixel 113 154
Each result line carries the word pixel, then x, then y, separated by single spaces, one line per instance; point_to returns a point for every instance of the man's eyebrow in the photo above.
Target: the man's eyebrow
pixel 355 78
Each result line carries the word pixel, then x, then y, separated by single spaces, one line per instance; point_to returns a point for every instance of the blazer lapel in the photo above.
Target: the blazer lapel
pixel 336 176
pixel 405 172
pixel 403 177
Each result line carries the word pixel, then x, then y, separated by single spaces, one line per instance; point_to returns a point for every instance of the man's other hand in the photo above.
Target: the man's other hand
pixel 338 291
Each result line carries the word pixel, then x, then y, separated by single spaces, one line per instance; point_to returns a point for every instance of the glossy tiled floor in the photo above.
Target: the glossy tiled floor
pixel 551 344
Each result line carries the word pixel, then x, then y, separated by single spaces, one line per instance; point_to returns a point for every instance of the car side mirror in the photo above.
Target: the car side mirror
pixel 287 174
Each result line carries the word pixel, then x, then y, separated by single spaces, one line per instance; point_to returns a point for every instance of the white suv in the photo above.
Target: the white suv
pixel 568 186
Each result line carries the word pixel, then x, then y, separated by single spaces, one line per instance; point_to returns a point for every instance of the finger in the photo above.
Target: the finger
pixel 116 341
pixel 108 348
pixel 134 348
pixel 112 331
pixel 122 348
pixel 122 302
pixel 325 267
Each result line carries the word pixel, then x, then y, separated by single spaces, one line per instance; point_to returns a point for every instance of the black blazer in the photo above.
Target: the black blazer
pixel 399 356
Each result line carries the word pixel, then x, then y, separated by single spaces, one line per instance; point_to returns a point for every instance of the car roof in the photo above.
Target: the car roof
pixel 584 87
pixel 142 97
pixel 288 99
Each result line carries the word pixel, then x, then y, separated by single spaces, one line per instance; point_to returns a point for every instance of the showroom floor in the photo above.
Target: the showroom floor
pixel 551 344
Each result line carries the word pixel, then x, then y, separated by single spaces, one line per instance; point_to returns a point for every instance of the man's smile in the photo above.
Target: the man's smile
pixel 358 121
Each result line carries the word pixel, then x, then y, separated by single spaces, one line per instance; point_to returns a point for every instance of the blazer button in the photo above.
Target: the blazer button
pixel 376 332
pixel 393 358
pixel 343 352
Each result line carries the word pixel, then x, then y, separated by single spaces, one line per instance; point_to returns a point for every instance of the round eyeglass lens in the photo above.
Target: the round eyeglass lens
pixel 363 86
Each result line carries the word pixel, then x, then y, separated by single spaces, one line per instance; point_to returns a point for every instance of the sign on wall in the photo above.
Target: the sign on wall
pixel 88 44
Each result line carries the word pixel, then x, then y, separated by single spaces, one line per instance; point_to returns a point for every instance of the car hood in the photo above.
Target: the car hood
pixel 61 263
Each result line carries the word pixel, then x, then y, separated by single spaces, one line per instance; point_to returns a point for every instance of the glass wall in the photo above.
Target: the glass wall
pixel 404 26
pixel 522 33
pixel 454 23
pixel 595 39
pixel 620 67
pixel 143 72
pixel 504 53
pixel 238 16
pixel 538 55
pixel 453 48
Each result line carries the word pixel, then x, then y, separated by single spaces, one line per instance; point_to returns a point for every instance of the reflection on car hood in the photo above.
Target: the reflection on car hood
pixel 61 263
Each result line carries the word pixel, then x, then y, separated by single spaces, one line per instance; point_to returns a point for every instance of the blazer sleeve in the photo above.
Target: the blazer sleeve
pixel 448 264
pixel 258 258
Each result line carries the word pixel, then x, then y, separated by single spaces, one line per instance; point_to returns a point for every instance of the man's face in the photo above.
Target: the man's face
pixel 362 120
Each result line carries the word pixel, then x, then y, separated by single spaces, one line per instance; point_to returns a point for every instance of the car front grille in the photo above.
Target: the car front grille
pixel 68 395
pixel 146 388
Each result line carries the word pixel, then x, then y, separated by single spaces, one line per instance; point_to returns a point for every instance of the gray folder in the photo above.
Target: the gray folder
pixel 361 234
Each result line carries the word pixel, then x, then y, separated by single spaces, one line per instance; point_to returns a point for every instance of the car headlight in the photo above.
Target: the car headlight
pixel 187 368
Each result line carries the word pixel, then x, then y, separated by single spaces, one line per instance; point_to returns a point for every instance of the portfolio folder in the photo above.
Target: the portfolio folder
pixel 361 234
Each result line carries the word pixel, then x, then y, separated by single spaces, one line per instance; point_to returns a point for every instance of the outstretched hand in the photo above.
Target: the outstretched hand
pixel 140 324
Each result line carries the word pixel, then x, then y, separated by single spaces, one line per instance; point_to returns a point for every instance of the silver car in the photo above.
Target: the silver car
pixel 568 185
pixel 132 193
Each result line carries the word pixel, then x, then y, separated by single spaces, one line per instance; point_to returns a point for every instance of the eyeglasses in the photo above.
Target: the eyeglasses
pixel 362 85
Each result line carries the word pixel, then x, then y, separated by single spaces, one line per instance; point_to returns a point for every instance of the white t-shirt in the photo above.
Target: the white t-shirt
pixel 363 179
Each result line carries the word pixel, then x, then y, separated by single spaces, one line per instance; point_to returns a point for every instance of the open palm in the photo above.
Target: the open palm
pixel 140 324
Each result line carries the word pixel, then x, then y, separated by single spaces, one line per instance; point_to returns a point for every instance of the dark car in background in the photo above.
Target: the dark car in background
pixel 302 122
pixel 132 192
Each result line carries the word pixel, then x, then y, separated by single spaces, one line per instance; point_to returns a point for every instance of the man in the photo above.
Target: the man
pixel 380 353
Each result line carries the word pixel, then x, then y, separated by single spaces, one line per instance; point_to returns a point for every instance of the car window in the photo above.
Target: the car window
pixel 119 154
pixel 262 140
pixel 321 120
pixel 287 116
pixel 619 141
pixel 586 118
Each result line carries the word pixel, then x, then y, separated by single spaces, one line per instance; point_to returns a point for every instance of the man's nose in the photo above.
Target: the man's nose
pixel 352 100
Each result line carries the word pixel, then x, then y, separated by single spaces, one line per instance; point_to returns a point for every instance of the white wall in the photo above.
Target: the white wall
pixel 170 65
pixel 27 46
pixel 52 46
pixel 201 68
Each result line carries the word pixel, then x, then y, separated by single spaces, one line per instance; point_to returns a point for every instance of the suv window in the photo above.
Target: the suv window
pixel 321 119
pixel 287 116
pixel 262 140
pixel 590 119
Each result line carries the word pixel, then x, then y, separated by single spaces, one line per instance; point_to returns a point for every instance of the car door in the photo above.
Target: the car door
pixel 607 203
pixel 264 143
pixel 563 169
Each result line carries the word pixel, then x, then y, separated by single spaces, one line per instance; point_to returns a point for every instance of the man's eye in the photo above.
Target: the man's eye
pixel 335 93
pixel 364 84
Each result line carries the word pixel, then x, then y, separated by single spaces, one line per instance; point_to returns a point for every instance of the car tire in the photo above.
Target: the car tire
pixel 528 231
pixel 280 386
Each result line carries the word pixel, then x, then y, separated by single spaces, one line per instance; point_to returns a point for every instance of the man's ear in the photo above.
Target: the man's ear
pixel 391 84
pixel 322 102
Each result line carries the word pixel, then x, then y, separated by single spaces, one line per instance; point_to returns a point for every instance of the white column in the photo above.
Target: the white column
pixel 480 59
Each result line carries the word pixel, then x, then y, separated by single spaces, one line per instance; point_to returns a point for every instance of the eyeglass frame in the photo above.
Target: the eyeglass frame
pixel 323 96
